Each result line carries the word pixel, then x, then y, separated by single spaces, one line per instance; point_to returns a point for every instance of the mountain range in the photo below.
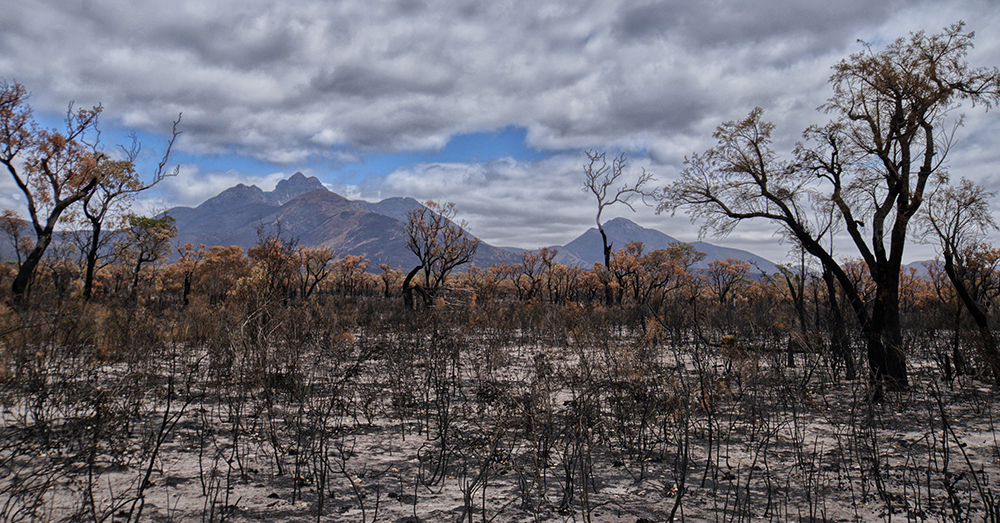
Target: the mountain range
pixel 315 216
pixel 318 217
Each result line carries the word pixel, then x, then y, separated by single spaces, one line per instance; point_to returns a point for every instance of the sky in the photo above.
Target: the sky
pixel 490 105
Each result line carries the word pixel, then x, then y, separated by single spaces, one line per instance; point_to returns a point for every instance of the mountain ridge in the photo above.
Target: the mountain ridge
pixel 588 248
pixel 317 217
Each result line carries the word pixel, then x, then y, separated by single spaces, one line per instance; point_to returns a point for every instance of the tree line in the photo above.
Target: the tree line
pixel 797 309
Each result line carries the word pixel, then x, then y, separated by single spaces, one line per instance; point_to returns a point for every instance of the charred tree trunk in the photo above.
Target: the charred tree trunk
pixel 839 345
pixel 989 342
pixel 880 326
pixel 95 244
pixel 609 298
pixel 187 289
pixel 22 281
pixel 407 290
pixel 884 334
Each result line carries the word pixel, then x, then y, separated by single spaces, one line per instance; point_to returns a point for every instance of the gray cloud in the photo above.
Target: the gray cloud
pixel 716 22
pixel 583 71
pixel 367 83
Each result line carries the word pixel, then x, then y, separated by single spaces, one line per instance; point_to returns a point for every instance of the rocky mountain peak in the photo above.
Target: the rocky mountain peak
pixel 296 185
pixel 236 196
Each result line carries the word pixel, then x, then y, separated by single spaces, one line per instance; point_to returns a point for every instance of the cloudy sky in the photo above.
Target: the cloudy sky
pixel 490 105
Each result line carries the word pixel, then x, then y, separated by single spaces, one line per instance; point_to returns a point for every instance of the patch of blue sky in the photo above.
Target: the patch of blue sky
pixel 152 145
pixel 479 147
pixel 228 163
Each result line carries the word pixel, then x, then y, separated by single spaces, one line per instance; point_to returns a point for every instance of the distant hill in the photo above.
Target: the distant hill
pixel 921 268
pixel 316 217
pixel 588 248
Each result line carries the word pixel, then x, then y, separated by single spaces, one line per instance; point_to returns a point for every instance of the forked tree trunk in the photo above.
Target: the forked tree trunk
pixel 884 334
pixel 43 237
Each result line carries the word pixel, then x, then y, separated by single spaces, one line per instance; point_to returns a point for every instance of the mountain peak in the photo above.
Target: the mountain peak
pixel 296 185
pixel 234 196
pixel 396 207
pixel 622 224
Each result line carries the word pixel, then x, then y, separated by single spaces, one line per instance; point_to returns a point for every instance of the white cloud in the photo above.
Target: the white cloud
pixel 522 204
pixel 11 196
